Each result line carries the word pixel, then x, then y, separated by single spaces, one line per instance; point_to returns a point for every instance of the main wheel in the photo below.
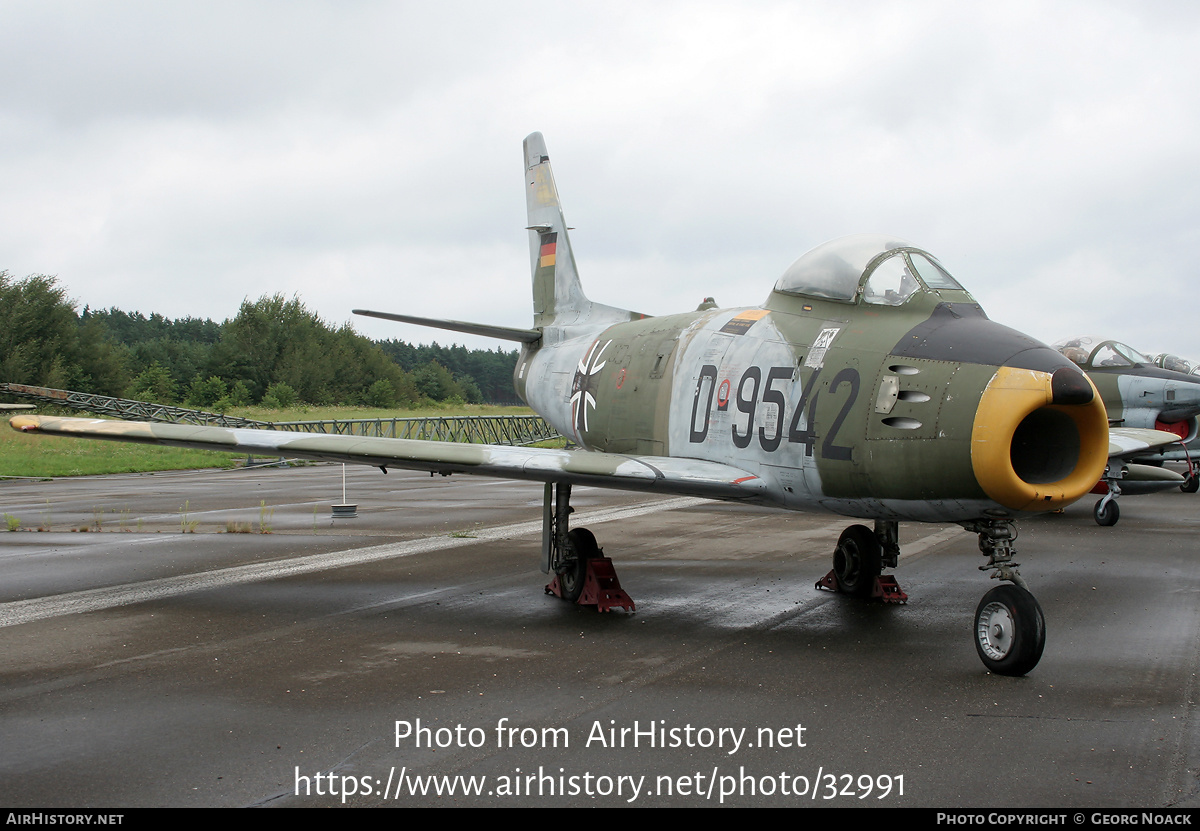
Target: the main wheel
pixel 583 547
pixel 1106 514
pixel 857 560
pixel 1191 484
pixel 1010 630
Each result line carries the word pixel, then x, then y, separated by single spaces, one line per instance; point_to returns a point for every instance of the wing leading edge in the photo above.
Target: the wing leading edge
pixel 1128 442
pixel 689 477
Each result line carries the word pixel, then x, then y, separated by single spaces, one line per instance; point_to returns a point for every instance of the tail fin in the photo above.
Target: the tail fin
pixel 558 298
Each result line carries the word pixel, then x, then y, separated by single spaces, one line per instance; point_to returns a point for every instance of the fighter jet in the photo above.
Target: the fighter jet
pixel 1139 394
pixel 1189 450
pixel 869 383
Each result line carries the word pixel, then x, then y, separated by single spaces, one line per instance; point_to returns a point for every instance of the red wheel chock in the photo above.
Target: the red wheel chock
pixel 888 590
pixel 828 582
pixel 885 588
pixel 601 588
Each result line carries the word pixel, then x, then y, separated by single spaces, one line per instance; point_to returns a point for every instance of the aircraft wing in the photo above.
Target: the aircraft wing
pixel 1130 442
pixel 661 474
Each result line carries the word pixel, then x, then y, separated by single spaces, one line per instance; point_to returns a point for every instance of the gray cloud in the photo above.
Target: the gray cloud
pixel 179 158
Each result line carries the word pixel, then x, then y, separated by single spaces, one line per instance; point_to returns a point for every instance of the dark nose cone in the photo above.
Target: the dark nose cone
pixel 962 332
pixel 1070 386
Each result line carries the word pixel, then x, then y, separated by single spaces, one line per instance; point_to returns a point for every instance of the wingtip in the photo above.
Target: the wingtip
pixel 24 423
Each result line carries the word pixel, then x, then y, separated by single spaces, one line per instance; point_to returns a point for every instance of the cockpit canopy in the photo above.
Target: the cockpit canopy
pixel 1176 364
pixel 1091 352
pixel 882 270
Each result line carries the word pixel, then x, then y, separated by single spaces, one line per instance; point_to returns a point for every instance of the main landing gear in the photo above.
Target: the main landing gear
pixel 860 556
pixel 582 574
pixel 1010 630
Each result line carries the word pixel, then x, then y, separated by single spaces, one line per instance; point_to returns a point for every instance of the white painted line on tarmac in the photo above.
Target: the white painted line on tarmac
pixel 911 551
pixel 91 600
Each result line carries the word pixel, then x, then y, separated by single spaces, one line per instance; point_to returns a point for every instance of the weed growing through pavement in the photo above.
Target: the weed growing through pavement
pixel 187 525
pixel 264 517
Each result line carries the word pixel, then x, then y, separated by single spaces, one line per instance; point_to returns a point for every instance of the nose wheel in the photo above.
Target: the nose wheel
pixel 1106 512
pixel 1010 630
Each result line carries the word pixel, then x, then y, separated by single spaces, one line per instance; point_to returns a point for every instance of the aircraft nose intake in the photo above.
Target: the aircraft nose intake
pixel 1040 439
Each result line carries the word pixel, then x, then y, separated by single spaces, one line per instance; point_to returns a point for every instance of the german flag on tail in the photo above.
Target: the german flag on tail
pixel 549 244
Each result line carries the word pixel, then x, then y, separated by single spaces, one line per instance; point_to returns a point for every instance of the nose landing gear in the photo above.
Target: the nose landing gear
pixel 1010 629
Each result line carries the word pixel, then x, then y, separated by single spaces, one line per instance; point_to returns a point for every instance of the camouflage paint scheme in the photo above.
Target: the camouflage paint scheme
pixel 869 383
pixel 896 403
pixel 840 404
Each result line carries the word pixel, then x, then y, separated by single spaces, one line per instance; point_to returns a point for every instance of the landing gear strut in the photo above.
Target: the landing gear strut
pixel 1107 512
pixel 1010 629
pixel 1191 479
pixel 582 574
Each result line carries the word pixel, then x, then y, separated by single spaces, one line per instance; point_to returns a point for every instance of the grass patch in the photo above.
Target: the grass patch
pixel 37 456
pixel 28 454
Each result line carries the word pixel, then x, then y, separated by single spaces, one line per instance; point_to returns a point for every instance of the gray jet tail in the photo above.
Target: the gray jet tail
pixel 558 298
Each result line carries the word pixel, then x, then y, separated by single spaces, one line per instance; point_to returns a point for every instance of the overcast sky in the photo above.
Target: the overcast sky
pixel 179 157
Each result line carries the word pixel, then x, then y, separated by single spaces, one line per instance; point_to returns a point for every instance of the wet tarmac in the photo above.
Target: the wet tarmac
pixel 216 639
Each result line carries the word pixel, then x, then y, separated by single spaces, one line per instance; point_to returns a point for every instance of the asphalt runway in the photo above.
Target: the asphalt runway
pixel 157 650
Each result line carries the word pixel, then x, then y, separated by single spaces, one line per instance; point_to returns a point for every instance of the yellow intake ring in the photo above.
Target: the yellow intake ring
pixel 1032 453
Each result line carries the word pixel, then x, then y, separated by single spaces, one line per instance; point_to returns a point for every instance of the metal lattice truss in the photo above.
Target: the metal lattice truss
pixel 513 430
pixel 508 430
pixel 126 408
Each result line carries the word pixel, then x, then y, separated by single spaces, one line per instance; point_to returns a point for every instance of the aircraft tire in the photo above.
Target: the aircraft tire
pixel 857 560
pixel 1191 484
pixel 583 543
pixel 1106 515
pixel 1010 630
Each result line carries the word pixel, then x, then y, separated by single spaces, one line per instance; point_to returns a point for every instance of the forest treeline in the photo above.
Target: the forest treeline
pixel 274 352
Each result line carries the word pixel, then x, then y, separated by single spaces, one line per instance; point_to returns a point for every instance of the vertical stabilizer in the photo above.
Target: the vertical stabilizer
pixel 557 294
pixel 558 298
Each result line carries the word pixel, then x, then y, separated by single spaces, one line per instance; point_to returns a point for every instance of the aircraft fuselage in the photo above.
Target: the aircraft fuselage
pixel 796 392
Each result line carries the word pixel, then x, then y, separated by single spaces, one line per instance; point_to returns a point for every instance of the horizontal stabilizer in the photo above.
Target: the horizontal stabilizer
pixel 501 332
pixel 658 474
